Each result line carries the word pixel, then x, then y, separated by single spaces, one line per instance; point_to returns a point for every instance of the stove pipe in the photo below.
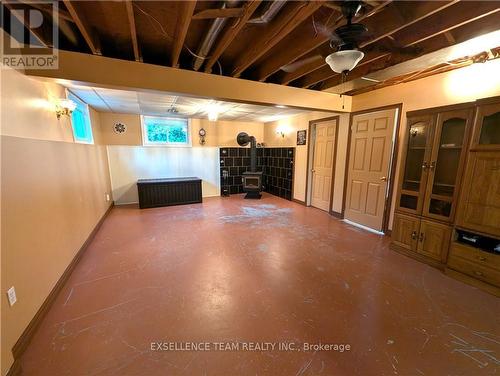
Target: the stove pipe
pixel 243 139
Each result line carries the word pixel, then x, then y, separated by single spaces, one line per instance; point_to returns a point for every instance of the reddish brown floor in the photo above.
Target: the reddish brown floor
pixel 234 270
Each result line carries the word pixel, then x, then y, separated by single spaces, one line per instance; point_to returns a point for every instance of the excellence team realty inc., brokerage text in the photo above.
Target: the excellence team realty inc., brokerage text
pixel 248 346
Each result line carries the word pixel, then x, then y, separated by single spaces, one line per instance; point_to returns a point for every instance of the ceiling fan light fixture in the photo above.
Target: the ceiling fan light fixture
pixel 344 61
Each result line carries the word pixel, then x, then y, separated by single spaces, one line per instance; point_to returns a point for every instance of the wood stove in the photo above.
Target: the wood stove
pixel 252 180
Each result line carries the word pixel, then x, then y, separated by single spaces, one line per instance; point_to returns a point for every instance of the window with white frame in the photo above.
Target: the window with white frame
pixel 80 121
pixel 165 131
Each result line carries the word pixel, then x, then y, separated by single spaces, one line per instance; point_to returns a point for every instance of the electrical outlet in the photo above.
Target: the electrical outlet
pixel 108 197
pixel 11 294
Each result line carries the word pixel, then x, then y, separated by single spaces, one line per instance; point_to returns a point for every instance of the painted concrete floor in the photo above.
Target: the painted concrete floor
pixel 245 272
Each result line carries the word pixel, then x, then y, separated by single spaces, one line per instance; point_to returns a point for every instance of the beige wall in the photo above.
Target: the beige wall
pixel 458 86
pixel 219 133
pixel 52 193
pixel 290 126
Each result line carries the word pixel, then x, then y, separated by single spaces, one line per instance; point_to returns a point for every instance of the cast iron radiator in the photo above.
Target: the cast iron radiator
pixel 169 191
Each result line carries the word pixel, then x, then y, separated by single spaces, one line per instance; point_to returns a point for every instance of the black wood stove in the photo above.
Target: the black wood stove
pixel 252 180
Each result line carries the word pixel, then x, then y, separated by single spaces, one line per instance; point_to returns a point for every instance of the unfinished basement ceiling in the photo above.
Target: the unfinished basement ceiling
pixel 283 42
pixel 167 104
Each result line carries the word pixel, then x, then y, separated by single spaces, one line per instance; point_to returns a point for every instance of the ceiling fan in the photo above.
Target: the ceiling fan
pixel 345 40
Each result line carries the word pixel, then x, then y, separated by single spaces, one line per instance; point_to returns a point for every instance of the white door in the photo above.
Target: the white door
pixel 368 173
pixel 323 160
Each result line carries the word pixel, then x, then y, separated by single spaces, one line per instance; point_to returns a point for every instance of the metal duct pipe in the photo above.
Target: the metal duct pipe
pixel 210 38
pixel 270 13
pixel 243 139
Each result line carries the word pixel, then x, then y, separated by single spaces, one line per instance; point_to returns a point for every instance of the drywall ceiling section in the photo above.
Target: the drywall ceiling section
pixel 160 104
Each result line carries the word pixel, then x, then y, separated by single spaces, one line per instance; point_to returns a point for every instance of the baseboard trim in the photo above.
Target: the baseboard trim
pixel 25 338
pixel 337 214
pixel 299 201
pixel 15 369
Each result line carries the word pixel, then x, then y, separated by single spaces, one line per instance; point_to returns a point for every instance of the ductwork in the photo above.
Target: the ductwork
pixel 271 11
pixel 211 37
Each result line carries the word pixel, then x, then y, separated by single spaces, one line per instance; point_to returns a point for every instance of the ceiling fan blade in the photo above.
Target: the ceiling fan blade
pixel 292 67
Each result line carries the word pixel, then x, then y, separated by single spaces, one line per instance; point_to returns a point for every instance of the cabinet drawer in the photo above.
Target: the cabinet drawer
pixel 475 255
pixel 475 270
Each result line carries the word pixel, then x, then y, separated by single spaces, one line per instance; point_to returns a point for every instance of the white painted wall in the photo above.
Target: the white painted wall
pixel 129 163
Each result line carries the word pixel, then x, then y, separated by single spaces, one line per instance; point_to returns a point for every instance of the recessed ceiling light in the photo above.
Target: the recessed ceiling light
pixel 280 106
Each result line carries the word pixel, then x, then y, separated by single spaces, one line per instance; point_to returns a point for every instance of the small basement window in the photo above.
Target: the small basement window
pixel 80 121
pixel 165 131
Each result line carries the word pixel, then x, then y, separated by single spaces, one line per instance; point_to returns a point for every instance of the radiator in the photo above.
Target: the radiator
pixel 169 191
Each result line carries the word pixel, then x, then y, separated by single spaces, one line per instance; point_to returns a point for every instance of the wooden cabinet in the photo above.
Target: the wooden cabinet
pixel 413 176
pixel 435 152
pixel 475 266
pixel 420 236
pixel 405 231
pixel 433 240
pixel 479 208
pixel 487 125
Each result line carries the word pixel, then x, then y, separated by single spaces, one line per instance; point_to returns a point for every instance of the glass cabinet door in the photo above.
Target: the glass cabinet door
pixel 487 127
pixel 414 173
pixel 447 159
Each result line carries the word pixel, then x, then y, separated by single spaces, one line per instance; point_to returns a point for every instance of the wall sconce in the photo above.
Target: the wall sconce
pixel 64 107
pixel 281 131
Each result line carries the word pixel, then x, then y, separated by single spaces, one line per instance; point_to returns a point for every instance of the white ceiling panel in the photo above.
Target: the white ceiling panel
pixel 166 104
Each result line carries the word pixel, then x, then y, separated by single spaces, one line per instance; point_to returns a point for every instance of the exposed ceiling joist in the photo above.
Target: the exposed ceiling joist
pixel 48 9
pixel 219 13
pixel 297 13
pixel 464 33
pixel 306 44
pixel 81 24
pixel 231 32
pixel 133 31
pixel 395 22
pixel 184 19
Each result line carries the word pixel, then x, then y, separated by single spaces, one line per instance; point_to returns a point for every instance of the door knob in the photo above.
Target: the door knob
pixel 383 178
pixel 313 170
pixel 425 166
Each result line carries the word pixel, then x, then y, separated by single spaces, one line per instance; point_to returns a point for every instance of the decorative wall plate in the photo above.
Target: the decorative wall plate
pixel 119 128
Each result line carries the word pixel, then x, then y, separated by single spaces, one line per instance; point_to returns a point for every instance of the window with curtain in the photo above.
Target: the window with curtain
pixel 165 131
pixel 80 121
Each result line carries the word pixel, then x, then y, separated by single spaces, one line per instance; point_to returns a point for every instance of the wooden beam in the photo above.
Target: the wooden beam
pixel 183 20
pixel 459 14
pixel 304 44
pixel 231 32
pixel 277 30
pixel 83 28
pixel 465 32
pixel 35 32
pixel 385 24
pixel 219 13
pixel 48 9
pixel 133 31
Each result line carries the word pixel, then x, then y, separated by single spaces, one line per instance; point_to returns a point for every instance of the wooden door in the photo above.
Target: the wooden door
pixel 368 173
pixel 416 156
pixel 323 162
pixel 434 240
pixel 479 207
pixel 446 163
pixel 405 231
